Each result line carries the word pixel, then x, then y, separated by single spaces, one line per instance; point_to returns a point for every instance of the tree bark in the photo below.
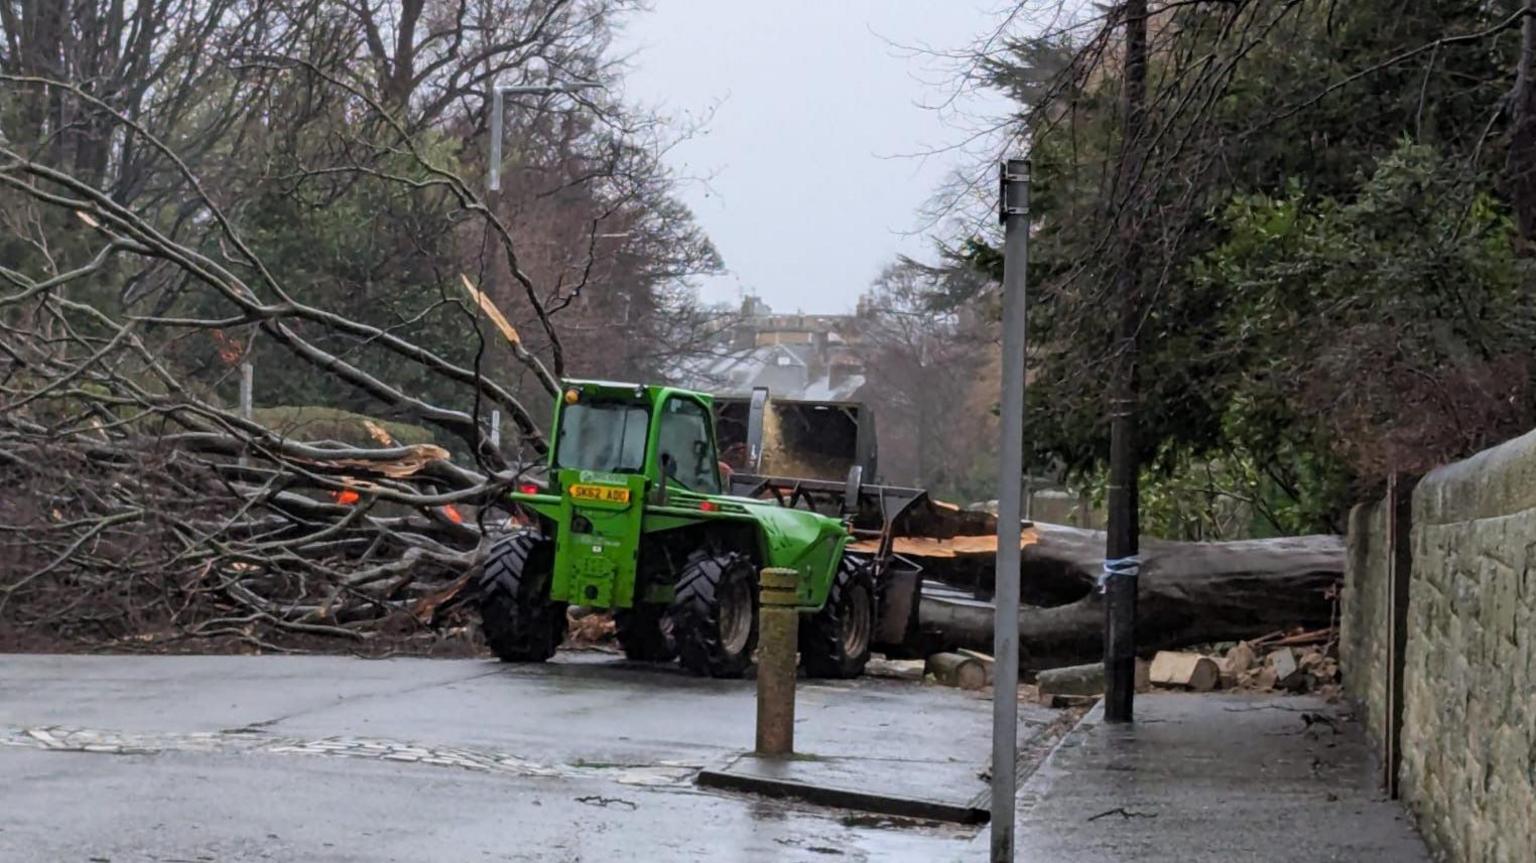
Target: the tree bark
pixel 1520 163
pixel 1072 680
pixel 1190 593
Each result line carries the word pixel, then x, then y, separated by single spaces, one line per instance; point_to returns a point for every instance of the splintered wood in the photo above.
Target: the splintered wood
pixel 410 462
pixel 959 546
pixel 379 434
pixel 491 312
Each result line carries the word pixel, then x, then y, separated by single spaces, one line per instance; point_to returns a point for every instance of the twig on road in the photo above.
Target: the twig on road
pixel 1123 813
pixel 598 800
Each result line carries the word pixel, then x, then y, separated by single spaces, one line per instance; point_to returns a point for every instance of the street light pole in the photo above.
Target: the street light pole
pixel 493 169
pixel 1013 210
pixel 493 174
pixel 498 108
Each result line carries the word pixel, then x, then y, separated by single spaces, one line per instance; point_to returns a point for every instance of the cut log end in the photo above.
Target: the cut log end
pixel 954 669
pixel 1185 670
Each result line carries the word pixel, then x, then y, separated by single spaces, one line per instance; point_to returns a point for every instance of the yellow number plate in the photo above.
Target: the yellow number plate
pixel 604 493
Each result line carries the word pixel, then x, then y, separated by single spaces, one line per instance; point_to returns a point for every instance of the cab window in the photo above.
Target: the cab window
pixel 684 447
pixel 603 436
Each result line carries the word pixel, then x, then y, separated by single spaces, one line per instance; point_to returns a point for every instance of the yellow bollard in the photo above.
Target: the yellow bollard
pixel 777 645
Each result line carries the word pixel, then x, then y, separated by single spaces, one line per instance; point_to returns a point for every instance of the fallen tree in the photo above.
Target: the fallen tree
pixel 144 508
pixel 1189 593
pixel 140 504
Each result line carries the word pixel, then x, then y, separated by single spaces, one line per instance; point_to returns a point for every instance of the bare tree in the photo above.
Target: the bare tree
pixel 925 371
pixel 88 398
pixel 266 182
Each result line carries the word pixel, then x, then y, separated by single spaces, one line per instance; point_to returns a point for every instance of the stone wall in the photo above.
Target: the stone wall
pixel 1363 630
pixel 1469 723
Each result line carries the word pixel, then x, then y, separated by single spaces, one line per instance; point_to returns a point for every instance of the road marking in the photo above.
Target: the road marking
pixel 59 738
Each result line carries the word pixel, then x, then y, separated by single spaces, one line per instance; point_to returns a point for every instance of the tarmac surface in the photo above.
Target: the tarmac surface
pixel 1215 777
pixel 228 758
pixel 109 759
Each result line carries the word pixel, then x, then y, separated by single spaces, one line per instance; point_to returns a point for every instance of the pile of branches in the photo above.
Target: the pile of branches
pixel 140 508
pixel 111 533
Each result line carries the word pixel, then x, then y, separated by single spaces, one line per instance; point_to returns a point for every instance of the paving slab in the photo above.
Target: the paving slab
pixel 1213 777
pixel 892 786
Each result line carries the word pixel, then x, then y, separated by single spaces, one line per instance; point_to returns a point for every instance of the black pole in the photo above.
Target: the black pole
pixel 1121 563
pixel 1013 208
pixel 1122 540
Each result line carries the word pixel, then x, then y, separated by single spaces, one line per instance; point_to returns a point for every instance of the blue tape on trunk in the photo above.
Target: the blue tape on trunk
pixel 1124 567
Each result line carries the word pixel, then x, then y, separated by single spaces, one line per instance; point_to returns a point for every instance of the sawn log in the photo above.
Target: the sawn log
pixel 1190 593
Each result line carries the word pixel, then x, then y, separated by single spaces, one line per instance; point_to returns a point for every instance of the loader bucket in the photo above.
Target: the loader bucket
pixel 811 440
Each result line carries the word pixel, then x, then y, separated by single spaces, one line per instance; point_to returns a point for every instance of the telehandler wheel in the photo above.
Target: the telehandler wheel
pixel 519 621
pixel 834 642
pixel 714 614
pixel 646 634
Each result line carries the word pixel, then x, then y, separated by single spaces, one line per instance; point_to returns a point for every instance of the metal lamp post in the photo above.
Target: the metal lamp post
pixel 498 108
pixel 493 178
pixel 1013 211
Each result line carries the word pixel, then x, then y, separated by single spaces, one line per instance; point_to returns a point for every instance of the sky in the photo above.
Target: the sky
pixel 803 175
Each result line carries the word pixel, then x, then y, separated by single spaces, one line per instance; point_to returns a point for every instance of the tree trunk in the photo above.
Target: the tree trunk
pixel 1190 593
pixel 1520 163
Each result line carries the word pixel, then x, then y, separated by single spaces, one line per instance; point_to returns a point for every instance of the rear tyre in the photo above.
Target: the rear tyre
pixel 519 621
pixel 834 642
pixel 646 634
pixel 714 614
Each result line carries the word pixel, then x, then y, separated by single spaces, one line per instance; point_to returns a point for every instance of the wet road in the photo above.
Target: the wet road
pixel 121 758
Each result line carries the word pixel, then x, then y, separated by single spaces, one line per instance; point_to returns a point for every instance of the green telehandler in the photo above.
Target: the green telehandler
pixel 633 517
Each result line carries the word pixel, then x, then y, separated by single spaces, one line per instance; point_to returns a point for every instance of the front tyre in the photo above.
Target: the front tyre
pixel 714 614
pixel 834 642
pixel 520 623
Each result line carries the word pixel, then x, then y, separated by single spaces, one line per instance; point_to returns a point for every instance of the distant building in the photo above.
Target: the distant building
pixel 810 357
